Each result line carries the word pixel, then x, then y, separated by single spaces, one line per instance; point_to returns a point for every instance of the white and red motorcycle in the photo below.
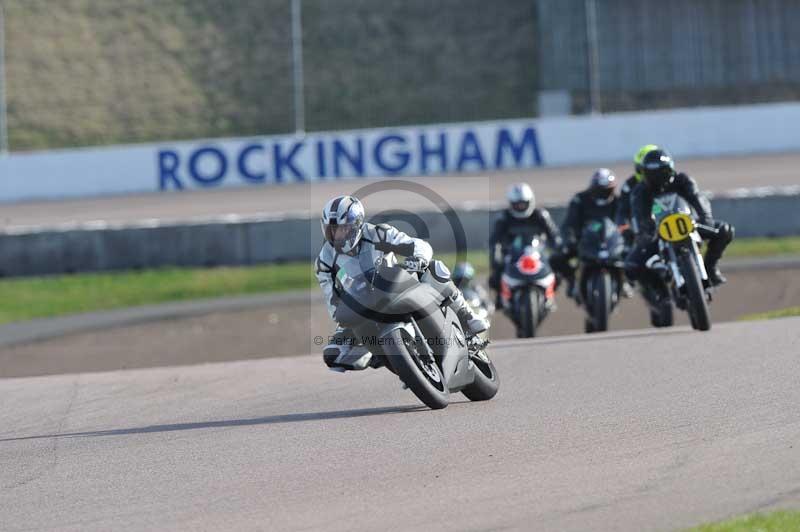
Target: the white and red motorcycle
pixel 527 286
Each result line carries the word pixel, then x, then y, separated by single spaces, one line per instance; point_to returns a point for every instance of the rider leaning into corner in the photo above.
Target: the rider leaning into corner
pixel 350 242
pixel 598 201
pixel 659 177
pixel 522 218
pixel 464 278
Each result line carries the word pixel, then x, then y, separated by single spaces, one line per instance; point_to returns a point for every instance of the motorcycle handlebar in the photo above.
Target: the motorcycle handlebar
pixel 707 228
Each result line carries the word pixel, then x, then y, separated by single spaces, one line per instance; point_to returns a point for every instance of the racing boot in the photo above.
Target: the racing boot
pixel 716 246
pixel 652 292
pixel 343 353
pixel 658 268
pixel 652 282
pixel 498 300
pixel 472 324
pixel 627 289
pixel 715 276
pixel 572 289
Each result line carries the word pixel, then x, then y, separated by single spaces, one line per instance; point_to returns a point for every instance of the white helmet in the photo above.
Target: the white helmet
pixel 521 201
pixel 343 222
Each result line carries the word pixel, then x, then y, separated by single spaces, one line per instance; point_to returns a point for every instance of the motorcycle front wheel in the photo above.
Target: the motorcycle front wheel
pixel 599 303
pixel 420 372
pixel 698 306
pixel 527 304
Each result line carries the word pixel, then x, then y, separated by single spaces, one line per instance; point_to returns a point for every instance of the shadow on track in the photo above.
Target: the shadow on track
pixel 268 420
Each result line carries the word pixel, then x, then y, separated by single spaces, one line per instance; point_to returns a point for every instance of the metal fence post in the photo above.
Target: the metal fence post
pixel 3 115
pixel 593 56
pixel 297 67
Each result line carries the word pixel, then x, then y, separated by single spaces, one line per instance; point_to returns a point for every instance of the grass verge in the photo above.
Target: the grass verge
pixel 771 522
pixel 27 298
pixel 772 314
pixel 60 295
pixel 764 247
pixel 39 297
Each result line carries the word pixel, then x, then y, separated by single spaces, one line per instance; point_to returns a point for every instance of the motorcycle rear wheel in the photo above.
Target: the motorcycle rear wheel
pixel 486 382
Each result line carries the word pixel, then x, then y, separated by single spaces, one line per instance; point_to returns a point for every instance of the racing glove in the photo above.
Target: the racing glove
pixel 415 264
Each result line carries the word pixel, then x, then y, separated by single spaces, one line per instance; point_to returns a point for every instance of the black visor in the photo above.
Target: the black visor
pixel 339 235
pixel 599 192
pixel 520 206
pixel 658 176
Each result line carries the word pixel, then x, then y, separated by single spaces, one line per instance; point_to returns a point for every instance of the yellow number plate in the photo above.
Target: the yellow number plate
pixel 676 227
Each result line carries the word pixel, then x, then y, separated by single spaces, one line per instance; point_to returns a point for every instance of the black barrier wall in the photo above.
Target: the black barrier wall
pixel 261 241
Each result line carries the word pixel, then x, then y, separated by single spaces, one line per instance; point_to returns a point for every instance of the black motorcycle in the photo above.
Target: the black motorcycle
pixel 409 327
pixel 601 254
pixel 527 286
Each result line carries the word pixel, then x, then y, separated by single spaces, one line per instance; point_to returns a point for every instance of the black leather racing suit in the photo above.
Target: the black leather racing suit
pixel 582 209
pixel 645 228
pixel 624 210
pixel 507 228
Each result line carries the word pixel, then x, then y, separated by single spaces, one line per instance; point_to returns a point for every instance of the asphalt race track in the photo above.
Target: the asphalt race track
pixel 629 430
pixel 622 431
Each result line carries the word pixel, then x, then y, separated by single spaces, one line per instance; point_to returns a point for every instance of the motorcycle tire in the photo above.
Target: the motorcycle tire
pixel 425 380
pixel 528 312
pixel 698 306
pixel 663 317
pixel 486 382
pixel 599 303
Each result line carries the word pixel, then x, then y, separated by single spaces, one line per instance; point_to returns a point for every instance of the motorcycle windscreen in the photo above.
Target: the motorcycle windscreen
pixel 388 296
pixel 601 236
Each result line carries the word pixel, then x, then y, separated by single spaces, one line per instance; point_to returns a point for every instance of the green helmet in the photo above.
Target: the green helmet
pixel 639 157
pixel 463 273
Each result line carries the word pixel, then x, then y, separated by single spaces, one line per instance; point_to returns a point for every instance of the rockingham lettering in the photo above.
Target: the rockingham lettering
pixel 349 154
pixel 243 164
pixel 392 161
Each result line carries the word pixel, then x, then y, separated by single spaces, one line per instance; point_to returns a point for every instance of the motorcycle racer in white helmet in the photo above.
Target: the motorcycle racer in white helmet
pixel 521 218
pixel 521 201
pixel 351 241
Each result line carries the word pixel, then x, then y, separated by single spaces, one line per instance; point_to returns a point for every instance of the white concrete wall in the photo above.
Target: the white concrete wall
pixel 697 132
pixel 428 150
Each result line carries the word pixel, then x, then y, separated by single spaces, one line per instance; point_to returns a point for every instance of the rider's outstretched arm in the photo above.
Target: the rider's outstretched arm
pixel 573 222
pixel 550 228
pixel 388 238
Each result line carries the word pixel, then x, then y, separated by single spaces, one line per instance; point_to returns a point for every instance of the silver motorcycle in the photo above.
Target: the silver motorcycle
pixel 408 326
